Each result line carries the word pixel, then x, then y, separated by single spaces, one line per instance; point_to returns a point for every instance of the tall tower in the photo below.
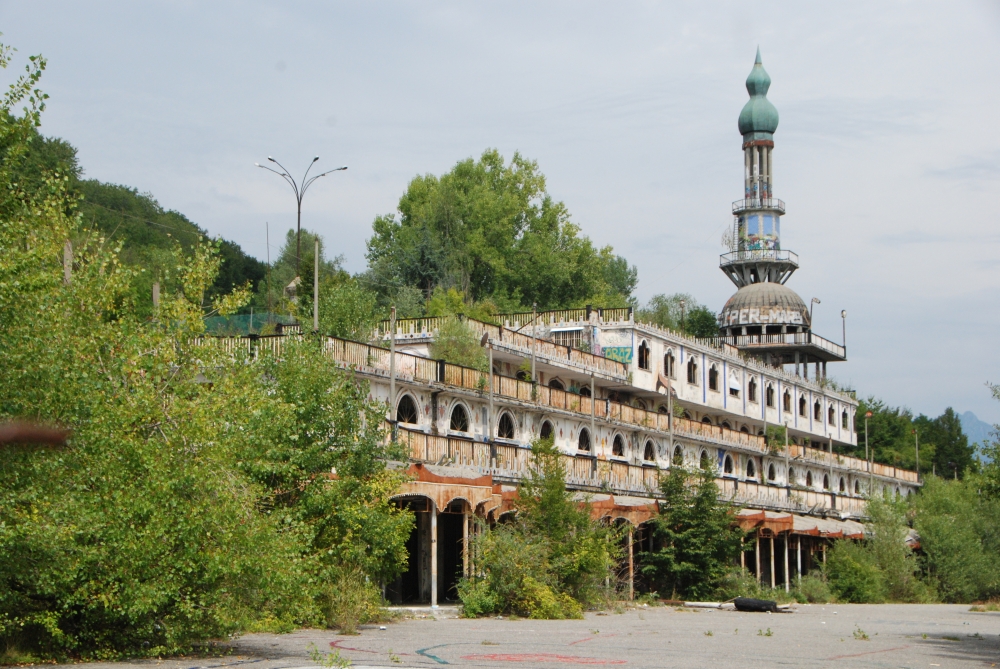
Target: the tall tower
pixel 765 318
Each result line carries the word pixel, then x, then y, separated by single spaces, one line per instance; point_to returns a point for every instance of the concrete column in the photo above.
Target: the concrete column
pixel 798 558
pixel 747 177
pixel 756 552
pixel 770 172
pixel 797 364
pixel 772 561
pixel 787 587
pixel 434 555
pixel 631 564
pixel 465 543
pixel 756 173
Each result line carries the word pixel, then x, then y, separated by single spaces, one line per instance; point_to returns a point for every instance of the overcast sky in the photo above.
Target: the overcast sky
pixel 887 153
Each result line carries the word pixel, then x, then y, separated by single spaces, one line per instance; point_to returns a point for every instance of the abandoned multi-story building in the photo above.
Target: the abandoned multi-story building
pixel 625 401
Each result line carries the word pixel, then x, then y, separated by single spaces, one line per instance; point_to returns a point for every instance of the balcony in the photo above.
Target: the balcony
pixel 784 345
pixel 758 204
pixel 759 255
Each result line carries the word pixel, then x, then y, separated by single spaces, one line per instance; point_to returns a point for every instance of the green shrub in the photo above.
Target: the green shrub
pixel 853 574
pixel 539 601
pixel 813 589
pixel 351 599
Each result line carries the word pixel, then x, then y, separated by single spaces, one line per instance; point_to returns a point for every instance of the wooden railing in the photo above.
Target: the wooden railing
pixel 850 462
pixel 513 462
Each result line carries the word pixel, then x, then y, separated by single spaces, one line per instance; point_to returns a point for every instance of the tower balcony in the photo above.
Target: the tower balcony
pixel 759 204
pixel 759 255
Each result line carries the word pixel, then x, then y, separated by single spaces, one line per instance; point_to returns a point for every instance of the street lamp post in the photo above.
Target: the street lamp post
pixel 683 304
pixel 843 323
pixel 916 447
pixel 871 475
pixel 299 188
pixel 812 303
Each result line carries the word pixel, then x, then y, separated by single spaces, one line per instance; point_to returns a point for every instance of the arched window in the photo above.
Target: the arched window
pixel 770 473
pixel 830 416
pixel 897 493
pixel 791 476
pixel 726 425
pixel 752 390
pixel 678 456
pixel 663 409
pixel 787 400
pixel 643 355
pixel 505 426
pixel 727 465
pixel 802 406
pixel 406 411
pixel 522 375
pixel 809 479
pixel 751 469
pixel 713 378
pixel 584 442
pixel 692 371
pixel 704 462
pixel 817 411
pixel 557 385
pixel 584 391
pixel 618 446
pixel 546 432
pixel 843 485
pixel 668 364
pixel 826 481
pixel 769 395
pixel 459 419
pixel 844 420
pixel 649 453
pixel 744 430
pixel 706 420
pixel 857 487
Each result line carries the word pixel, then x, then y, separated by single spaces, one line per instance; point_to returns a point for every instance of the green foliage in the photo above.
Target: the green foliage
pixel 665 311
pixel 813 589
pixel 959 537
pixel 695 537
pixel 458 344
pixel 489 229
pixel 181 510
pixel 350 599
pixel 991 454
pixel 551 561
pixel 451 302
pixel 853 574
pixel 347 309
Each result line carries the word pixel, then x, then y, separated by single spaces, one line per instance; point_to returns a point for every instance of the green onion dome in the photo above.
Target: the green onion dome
pixel 759 118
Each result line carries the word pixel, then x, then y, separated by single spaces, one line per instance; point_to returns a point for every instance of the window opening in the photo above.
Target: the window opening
pixel 692 371
pixel 857 488
pixel 727 465
pixel 570 338
pixel 770 395
pixel 678 456
pixel 618 447
pixel 584 391
pixel 584 441
pixel 817 411
pixel 802 407
pixel 406 411
pixel 726 425
pixel 704 462
pixel 744 430
pixel 713 378
pixel 662 409
pixel 770 473
pixel 546 432
pixel 706 420
pixel 830 413
pixel 791 476
pixel 668 364
pixel 556 385
pixel 649 453
pixel 751 469
pixel 459 419
pixel 809 479
pixel 826 481
pixel 752 390
pixel 844 420
pixel 505 427
pixel 843 485
pixel 787 401
pixel 643 355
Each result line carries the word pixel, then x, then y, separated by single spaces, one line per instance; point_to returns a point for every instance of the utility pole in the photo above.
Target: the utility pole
pixel 316 285
pixel 916 446
pixel 871 475
pixel 534 340
pixel 392 370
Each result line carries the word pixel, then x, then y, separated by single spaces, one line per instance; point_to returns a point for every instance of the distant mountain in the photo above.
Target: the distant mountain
pixel 976 430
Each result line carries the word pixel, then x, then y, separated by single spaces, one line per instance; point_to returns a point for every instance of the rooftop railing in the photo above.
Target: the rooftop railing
pixel 748 204
pixel 752 255
pixel 787 339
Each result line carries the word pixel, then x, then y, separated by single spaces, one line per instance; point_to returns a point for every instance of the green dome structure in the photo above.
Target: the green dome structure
pixel 759 118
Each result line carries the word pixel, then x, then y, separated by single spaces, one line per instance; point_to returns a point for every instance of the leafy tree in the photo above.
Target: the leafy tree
pixel 943 445
pixel 665 311
pixel 695 536
pixel 458 344
pixel 490 229
pixel 347 309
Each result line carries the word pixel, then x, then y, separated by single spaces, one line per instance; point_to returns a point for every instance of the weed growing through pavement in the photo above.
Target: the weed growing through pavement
pixel 763 633
pixel 709 633
pixel 860 634
pixel 395 659
pixel 330 660
pixel 490 643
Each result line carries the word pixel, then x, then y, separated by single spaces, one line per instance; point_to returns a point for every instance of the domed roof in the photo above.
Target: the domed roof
pixel 758 115
pixel 765 304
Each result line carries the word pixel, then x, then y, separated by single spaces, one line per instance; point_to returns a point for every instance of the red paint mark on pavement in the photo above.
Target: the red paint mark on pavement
pixel 336 646
pixel 871 652
pixel 539 657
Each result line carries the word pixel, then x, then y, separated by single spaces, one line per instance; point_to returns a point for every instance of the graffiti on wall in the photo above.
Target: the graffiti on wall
pixel 617 345
pixel 762 316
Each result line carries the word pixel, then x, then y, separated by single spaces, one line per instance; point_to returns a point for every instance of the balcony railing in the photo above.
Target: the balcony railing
pixel 748 204
pixel 757 255
pixel 774 340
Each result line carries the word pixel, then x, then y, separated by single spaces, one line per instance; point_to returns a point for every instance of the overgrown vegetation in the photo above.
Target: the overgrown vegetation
pixel 695 537
pixel 693 318
pixel 552 561
pixel 196 497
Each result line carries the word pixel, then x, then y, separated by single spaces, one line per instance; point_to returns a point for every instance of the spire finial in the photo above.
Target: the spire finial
pixel 757 62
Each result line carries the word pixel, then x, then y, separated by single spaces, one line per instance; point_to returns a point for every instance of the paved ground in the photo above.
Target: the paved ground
pixel 812 636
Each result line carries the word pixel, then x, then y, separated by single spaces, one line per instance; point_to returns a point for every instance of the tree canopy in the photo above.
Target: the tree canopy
pixel 694 319
pixel 490 229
